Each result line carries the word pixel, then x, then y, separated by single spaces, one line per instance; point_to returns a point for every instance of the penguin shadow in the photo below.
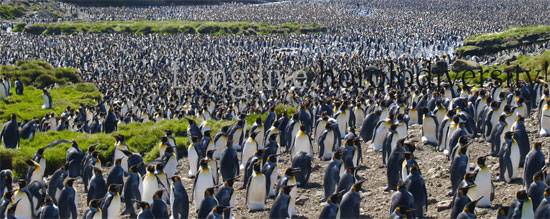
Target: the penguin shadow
pixel 366 217
pixel 259 210
pixel 516 181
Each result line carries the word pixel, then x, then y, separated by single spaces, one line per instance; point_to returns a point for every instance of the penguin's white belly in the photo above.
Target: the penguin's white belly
pixel 260 138
pixel 292 203
pixel 204 181
pixel 171 167
pixel 440 115
pixel 249 150
pixel 256 193
pixel 378 141
pixel 150 186
pixel 193 159
pixel 448 137
pixel 429 131
pixel 236 138
pixel 36 176
pixel 515 157
pixel 319 129
pixel 301 143
pixel 527 210
pixel 545 123
pixel 329 143
pixel 359 118
pixel 220 146
pixel 42 166
pixel 213 166
pixel 114 209
pixel 402 131
pixel 343 123
pixel 484 187
pixel 23 210
pixel 124 163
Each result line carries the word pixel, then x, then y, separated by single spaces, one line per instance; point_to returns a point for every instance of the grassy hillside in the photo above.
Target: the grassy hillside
pixel 11 11
pixel 493 42
pixel 533 65
pixel 170 27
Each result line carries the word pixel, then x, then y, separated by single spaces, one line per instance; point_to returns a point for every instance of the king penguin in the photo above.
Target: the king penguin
pixel 545 120
pixel 534 162
pixel 97 187
pixel 303 163
pixel 328 142
pixel 522 206
pixel 536 189
pixel 179 199
pixel 25 208
pixel 351 202
pixel 149 185
pixel 112 202
pixel 380 132
pixel 229 163
pixel 332 175
pixel 280 206
pixel 49 210
pixel 484 185
pixel 256 190
pixel 509 158
pixel 193 157
pixel 203 180
pixel 207 204
pixel 301 142
pixel 68 201
pixel 330 210
pixel 35 172
pixel 249 149
pixel 226 196
pixel 271 172
pixel 430 126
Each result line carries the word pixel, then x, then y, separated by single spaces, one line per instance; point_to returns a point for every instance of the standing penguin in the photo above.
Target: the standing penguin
pixel 40 169
pixel 203 180
pixel 280 206
pixel 328 142
pixel 35 172
pixel 458 168
pixel 256 190
pixel 403 199
pixel 74 159
pixel 271 172
pixel 543 210
pixel 193 156
pixel 226 197
pixel 49 210
pixel 131 191
pixel 536 189
pixel 484 185
pixel 351 201
pixel 112 202
pixel 303 163
pixel 430 125
pixel 469 210
pixel 97 187
pixel 394 166
pixel 146 211
pixel 380 132
pixel 301 142
pixel 249 149
pixel 330 211
pixel 149 185
pixel 10 133
pixel 545 120
pixel 534 162
pixel 229 163
pixel 25 208
pixel 522 206
pixel 368 125
pixel 417 187
pixel 116 175
pixel 347 180
pixel 68 201
pixel 159 207
pixel 56 183
pixel 460 200
pixel 509 158
pixel 6 180
pixel 289 179
pixel 332 175
pixel 207 204
pixel 179 199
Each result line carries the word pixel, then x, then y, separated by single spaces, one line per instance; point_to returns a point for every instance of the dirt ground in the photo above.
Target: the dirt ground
pixel 375 201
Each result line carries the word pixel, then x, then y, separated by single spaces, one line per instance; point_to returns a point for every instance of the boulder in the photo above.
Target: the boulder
pixel 465 65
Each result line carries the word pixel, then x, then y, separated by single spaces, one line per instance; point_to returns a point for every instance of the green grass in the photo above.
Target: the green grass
pixel 170 27
pixel 11 11
pixel 29 105
pixel 532 65
pixel 40 74
pixel 482 44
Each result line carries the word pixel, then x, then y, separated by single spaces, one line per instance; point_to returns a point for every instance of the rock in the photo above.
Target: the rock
pixel 465 65
pixel 442 205
pixel 432 201
pixel 301 200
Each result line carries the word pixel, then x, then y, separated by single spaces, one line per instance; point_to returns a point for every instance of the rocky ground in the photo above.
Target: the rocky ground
pixel 375 202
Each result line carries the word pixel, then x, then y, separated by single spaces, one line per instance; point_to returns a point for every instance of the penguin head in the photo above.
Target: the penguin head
pixel 522 195
pixel 209 192
pixel 159 168
pixel 69 182
pixel 158 194
pixel 33 164
pixel 471 206
pixel 503 211
pixel 257 167
pixel 40 151
pixel 143 205
pixel 538 176
pixel 204 164
pixel 253 135
pixel 176 179
pixel 481 161
pixel 150 169
pixel 537 145
pixel 287 189
pixel 210 154
pixel 115 188
pixel 118 162
pixel 357 186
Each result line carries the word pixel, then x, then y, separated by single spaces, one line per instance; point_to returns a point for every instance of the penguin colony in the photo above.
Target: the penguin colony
pixel 280 166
